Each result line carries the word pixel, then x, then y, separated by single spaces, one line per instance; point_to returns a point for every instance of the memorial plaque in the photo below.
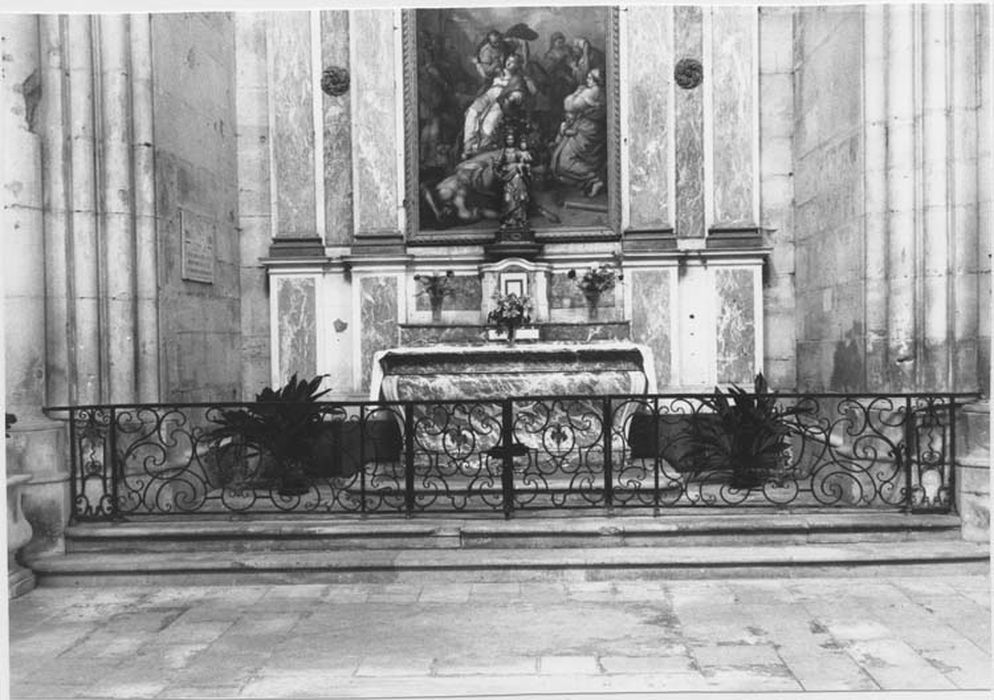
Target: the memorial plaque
pixel 198 247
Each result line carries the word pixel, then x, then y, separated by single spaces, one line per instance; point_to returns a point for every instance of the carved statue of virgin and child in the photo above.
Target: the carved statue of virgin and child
pixel 531 135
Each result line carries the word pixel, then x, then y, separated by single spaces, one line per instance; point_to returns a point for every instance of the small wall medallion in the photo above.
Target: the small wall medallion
pixel 335 81
pixel 688 73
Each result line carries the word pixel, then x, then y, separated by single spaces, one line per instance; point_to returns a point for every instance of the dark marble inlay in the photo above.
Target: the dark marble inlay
pixel 337 133
pixel 689 106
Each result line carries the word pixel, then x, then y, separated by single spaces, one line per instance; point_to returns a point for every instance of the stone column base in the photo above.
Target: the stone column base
pixel 973 471
pixel 20 579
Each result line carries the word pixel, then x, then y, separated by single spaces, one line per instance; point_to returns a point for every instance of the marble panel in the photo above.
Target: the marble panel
pixel 467 295
pixel 297 326
pixel 374 144
pixel 650 55
pixel 733 69
pixel 689 110
pixel 292 122
pixel 736 326
pixel 378 316
pixel 651 319
pixel 337 133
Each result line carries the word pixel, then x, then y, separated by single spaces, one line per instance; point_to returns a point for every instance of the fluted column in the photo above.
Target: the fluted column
pixel 901 191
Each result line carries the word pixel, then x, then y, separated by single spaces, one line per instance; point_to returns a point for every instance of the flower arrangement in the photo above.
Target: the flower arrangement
pixel 436 286
pixel 510 313
pixel 597 280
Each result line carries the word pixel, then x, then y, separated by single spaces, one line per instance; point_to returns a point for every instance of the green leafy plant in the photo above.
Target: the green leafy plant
pixel 284 423
pixel 509 313
pixel 747 434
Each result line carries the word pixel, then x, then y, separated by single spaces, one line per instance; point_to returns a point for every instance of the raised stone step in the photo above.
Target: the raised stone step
pixel 697 529
pixel 448 565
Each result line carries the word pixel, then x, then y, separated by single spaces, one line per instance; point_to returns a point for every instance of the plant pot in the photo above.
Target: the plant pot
pixel 436 309
pixel 593 301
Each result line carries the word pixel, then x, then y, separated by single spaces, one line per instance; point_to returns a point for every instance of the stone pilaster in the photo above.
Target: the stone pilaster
pixel 83 244
pixel 776 168
pixel 875 194
pixel 902 357
pixel 116 207
pixel 146 238
pixel 55 163
pixel 254 198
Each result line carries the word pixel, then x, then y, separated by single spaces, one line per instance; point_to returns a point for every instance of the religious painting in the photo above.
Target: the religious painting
pixel 513 118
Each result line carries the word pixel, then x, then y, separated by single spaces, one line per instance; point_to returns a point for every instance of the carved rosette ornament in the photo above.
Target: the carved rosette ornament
pixel 335 81
pixel 688 73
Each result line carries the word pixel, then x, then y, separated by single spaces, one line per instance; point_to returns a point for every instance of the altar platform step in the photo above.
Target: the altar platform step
pixel 526 530
pixel 526 549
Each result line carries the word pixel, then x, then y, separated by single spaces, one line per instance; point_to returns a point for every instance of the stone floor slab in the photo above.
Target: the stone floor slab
pixel 562 636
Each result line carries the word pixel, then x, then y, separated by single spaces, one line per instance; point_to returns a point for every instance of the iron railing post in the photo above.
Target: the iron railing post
pixel 114 466
pixel 905 453
pixel 952 455
pixel 608 466
pixel 507 456
pixel 362 459
pixel 655 455
pixel 73 468
pixel 409 458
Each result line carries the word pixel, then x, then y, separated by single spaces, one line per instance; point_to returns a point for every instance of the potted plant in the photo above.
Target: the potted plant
pixel 593 283
pixel 436 286
pixel 510 313
pixel 285 424
pixel 746 434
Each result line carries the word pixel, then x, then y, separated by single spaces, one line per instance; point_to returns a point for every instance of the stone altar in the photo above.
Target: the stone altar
pixel 499 370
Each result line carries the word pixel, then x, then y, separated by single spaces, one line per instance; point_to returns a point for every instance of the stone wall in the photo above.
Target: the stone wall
pixel 828 198
pixel 197 198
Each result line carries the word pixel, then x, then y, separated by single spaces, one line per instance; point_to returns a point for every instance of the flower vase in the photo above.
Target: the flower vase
pixel 593 301
pixel 436 310
pixel 511 330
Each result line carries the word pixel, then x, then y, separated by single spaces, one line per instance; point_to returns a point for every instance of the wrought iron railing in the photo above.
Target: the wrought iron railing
pixel 854 451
